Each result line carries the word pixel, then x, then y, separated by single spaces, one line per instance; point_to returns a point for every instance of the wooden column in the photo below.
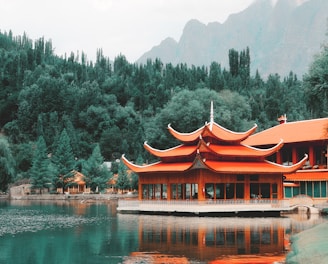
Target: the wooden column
pixel 169 191
pixel 294 155
pixel 140 190
pixel 279 157
pixel 311 156
pixel 201 186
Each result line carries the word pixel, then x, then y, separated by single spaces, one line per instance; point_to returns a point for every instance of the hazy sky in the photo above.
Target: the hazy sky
pixel 129 27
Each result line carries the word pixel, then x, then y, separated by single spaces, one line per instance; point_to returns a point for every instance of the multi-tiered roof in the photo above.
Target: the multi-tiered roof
pixel 215 148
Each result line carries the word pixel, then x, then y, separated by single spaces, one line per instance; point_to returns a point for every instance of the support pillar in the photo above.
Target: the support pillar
pixel 201 187
pixel 294 155
pixel 279 157
pixel 311 156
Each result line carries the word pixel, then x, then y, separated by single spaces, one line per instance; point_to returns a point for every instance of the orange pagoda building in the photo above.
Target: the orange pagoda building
pixel 213 164
pixel 306 136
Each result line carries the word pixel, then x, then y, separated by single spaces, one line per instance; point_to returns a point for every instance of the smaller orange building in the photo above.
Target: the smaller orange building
pixel 214 163
pixel 307 136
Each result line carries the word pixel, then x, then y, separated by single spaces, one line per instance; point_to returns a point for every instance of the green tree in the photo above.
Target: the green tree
pixel 234 62
pixel 64 161
pixel 316 85
pixel 215 81
pixel 41 170
pixel 7 164
pixel 96 173
pixel 123 181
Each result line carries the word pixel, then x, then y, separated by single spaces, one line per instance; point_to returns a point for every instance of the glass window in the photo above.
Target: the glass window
pixel 316 189
pixel 180 194
pixel 188 191
pixel 219 191
pixel 230 190
pixel 209 190
pixel 158 191
pixel 309 188
pixel 265 190
pixel 174 191
pixel 145 191
pixel 296 191
pixel 239 190
pixel 303 187
pixel 288 192
pixel 194 191
pixel 254 190
pixel 151 191
pixel 164 191
pixel 323 189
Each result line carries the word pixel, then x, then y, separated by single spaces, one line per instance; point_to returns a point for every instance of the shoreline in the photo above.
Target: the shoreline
pixel 309 246
pixel 53 197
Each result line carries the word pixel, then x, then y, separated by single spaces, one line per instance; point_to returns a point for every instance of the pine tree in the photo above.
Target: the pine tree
pixel 41 170
pixel 122 179
pixel 64 162
pixel 234 62
pixel 7 165
pixel 96 173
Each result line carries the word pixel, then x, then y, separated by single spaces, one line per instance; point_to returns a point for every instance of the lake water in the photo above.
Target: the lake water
pixel 74 232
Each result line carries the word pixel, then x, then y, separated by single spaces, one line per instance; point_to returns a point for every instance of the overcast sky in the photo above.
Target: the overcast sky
pixel 128 27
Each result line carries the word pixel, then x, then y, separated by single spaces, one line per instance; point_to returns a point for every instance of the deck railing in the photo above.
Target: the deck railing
pixel 137 203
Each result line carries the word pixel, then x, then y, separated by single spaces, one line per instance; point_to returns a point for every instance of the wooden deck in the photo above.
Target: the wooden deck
pixel 209 207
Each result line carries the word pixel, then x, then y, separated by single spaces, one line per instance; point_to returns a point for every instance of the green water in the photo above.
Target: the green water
pixel 74 232
pixel 63 232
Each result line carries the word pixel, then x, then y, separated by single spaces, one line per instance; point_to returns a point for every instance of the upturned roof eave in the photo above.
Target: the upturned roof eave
pixel 214 130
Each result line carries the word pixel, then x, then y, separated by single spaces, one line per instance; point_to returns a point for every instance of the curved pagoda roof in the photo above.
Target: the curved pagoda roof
pixel 221 158
pixel 240 167
pixel 219 151
pixel 212 130
pixel 215 148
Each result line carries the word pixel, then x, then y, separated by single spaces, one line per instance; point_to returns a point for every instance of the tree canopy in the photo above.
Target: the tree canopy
pixel 84 109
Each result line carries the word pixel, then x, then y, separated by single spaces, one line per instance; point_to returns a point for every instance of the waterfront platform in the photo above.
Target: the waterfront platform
pixel 209 207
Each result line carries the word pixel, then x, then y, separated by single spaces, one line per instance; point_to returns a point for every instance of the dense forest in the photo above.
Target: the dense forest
pixel 59 114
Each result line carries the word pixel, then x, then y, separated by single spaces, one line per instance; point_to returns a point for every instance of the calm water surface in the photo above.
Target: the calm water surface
pixel 74 232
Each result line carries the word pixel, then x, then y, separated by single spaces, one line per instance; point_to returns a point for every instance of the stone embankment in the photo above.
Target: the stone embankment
pixel 309 246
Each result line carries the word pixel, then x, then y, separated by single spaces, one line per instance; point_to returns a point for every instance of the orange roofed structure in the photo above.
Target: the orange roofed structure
pixel 307 136
pixel 213 163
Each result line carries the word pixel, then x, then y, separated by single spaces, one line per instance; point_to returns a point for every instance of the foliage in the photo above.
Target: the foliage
pixel 119 105
pixel 123 181
pixel 64 162
pixel 316 85
pixel 7 164
pixel 96 173
pixel 41 172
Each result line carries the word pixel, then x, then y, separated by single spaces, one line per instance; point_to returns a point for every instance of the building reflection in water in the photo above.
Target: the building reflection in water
pixel 208 239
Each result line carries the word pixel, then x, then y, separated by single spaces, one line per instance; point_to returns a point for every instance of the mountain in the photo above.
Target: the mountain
pixel 282 35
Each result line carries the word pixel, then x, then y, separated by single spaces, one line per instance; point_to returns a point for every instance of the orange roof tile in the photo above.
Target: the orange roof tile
pixel 244 151
pixel 253 167
pixel 290 132
pixel 217 166
pixel 180 150
pixel 308 175
pixel 219 150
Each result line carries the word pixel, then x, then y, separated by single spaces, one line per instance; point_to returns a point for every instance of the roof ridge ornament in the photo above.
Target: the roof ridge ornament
pixel 211 117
